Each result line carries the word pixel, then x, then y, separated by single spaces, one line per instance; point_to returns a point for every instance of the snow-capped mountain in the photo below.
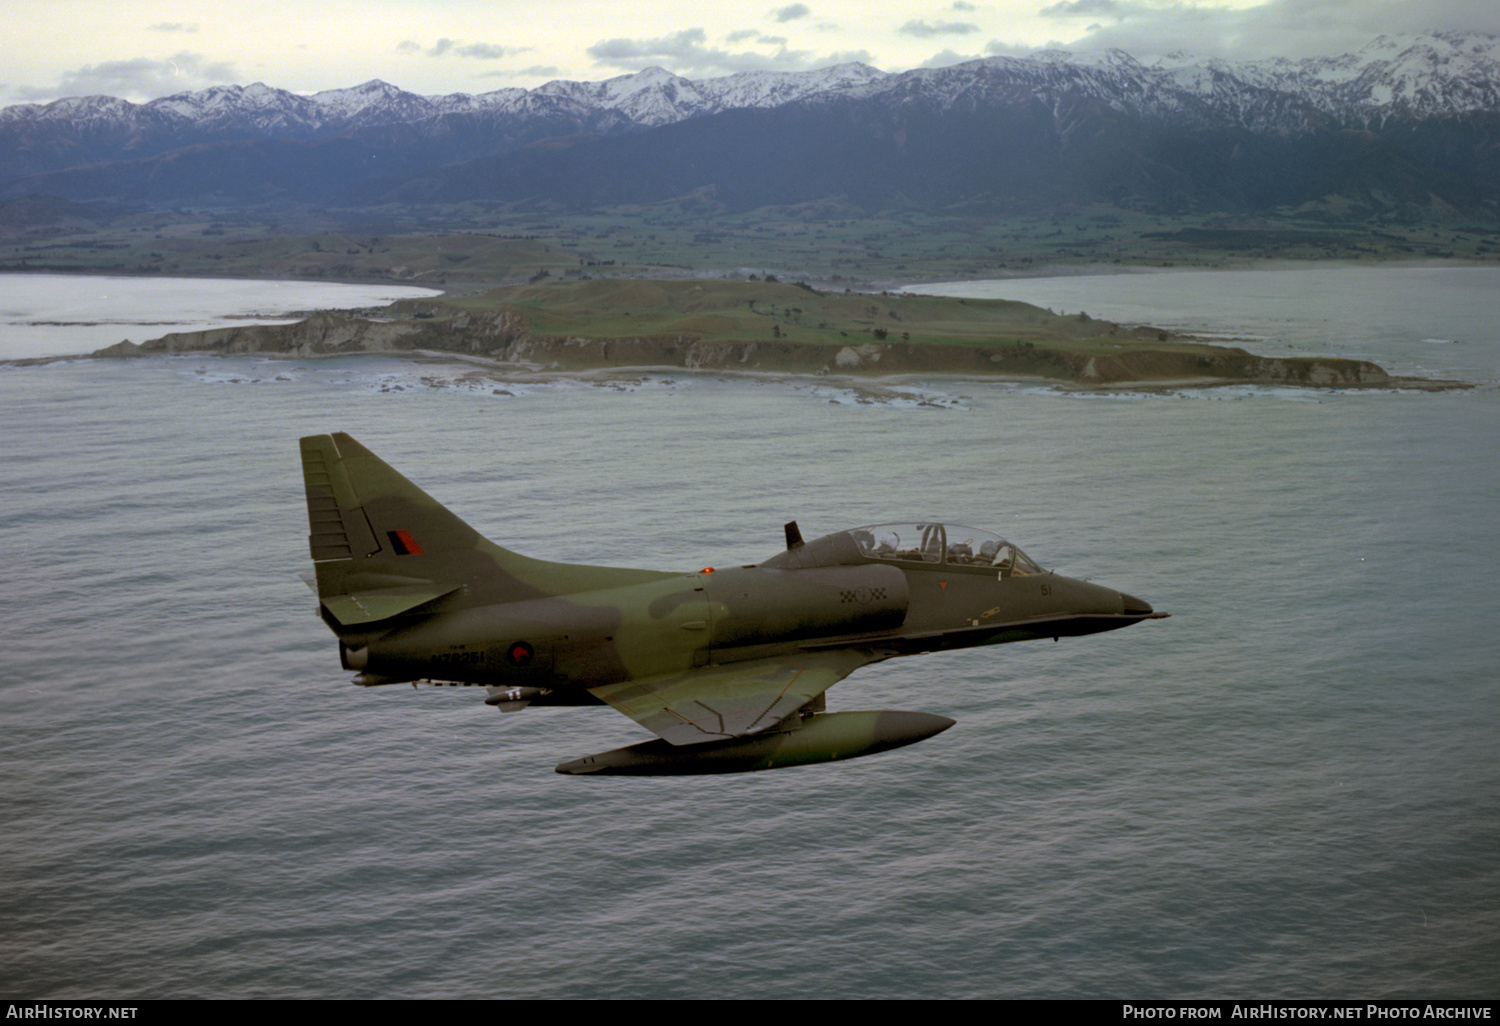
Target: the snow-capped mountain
pixel 39 138
pixel 375 135
pixel 1422 76
pixel 1448 73
pixel 1428 75
pixel 646 98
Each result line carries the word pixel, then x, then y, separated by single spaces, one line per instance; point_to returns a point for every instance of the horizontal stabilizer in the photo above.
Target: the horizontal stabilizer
pixel 373 606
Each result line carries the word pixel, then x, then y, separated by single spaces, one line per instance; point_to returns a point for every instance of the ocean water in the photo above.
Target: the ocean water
pixel 1435 321
pixel 58 314
pixel 1289 789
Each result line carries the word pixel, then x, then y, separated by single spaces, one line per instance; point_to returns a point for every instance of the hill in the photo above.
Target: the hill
pixel 771 327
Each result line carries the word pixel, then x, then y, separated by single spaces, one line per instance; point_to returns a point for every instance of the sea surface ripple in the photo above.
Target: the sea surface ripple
pixel 1289 789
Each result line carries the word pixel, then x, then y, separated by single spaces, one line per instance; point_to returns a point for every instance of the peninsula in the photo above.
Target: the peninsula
pixel 767 326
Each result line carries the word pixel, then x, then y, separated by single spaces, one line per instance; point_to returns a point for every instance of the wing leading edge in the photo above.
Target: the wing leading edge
pixel 718 702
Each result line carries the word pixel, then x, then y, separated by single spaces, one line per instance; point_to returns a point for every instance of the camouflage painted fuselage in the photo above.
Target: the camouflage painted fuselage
pixel 712 657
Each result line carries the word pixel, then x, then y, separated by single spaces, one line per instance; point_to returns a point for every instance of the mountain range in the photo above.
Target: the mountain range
pixel 1407 125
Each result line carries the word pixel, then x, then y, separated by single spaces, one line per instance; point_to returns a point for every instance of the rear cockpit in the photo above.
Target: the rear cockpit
pixel 929 543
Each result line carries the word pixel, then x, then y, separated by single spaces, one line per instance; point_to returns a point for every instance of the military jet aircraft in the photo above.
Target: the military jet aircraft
pixel 728 666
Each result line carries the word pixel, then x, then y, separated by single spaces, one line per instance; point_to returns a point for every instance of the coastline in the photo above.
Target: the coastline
pixel 498 339
pixel 1184 363
pixel 883 386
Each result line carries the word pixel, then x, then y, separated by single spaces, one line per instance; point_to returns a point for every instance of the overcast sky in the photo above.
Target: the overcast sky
pixel 142 49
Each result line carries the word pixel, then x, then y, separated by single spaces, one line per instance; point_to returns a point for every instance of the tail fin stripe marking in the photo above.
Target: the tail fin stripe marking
pixel 404 543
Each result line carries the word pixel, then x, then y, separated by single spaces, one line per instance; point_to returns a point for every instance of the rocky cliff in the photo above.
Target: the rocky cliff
pixel 505 337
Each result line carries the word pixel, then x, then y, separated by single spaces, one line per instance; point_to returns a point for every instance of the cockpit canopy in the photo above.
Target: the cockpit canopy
pixel 942 543
pixel 926 543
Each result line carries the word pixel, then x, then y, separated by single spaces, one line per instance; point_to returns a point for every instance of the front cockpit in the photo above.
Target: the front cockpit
pixel 952 544
pixel 913 543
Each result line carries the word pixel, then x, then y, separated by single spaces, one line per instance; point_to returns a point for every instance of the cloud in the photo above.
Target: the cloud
pixel 740 35
pixel 174 26
pixel 1090 9
pixel 845 57
pixel 960 5
pixel 923 30
pixel 138 79
pixel 538 72
pixel 687 43
pixel 948 58
pixel 1000 48
pixel 1274 28
pixel 791 12
pixel 487 51
pixel 688 53
pixel 475 51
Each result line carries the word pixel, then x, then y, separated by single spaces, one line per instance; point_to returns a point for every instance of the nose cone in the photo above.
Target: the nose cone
pixel 1082 607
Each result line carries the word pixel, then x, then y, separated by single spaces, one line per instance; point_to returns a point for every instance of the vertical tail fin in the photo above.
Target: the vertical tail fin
pixel 359 508
pixel 382 546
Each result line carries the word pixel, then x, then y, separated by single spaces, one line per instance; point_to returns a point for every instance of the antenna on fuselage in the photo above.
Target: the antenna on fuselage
pixel 793 535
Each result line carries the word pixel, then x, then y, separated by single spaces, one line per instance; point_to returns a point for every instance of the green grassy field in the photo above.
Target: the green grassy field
pixel 720 310
pixel 470 247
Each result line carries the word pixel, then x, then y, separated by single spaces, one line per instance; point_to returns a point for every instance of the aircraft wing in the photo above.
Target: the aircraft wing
pixel 712 703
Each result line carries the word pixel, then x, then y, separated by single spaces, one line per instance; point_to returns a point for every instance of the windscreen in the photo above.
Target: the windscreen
pixel 943 543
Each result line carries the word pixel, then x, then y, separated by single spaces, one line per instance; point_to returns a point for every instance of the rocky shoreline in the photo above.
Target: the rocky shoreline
pixel 504 337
